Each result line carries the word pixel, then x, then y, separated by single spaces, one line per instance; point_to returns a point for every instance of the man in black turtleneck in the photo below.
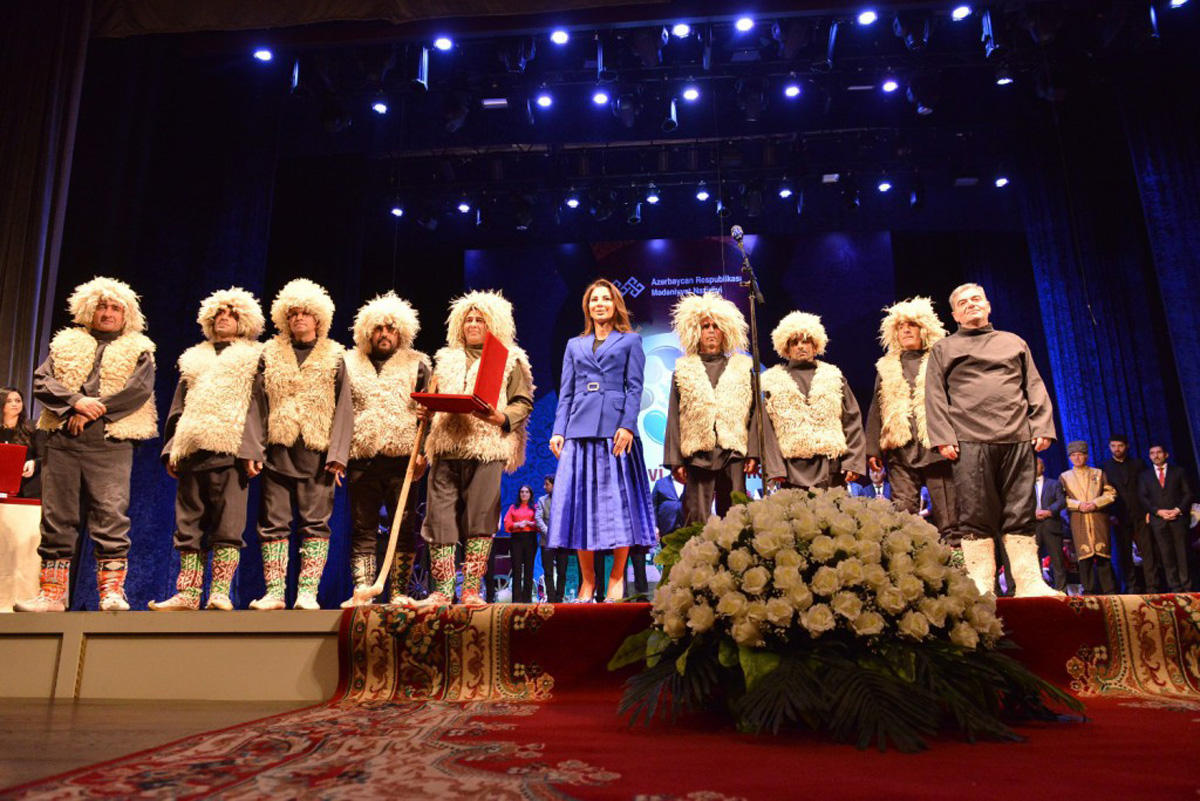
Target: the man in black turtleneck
pixel 1124 471
pixel 987 412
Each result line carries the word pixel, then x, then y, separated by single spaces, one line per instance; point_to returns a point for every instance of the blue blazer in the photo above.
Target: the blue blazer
pixel 602 391
pixel 668 506
pixel 868 490
pixel 1054 500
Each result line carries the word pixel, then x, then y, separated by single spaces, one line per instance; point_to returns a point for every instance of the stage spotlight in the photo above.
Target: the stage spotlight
pixel 263 54
pixel 603 206
pixel 544 100
pixel 671 122
pixel 916 195
pixel 691 94
pixel 463 206
pixel 652 196
pixel 681 30
pixel 635 213
pixel 923 96
pixel 752 198
pixel 912 29
pixel 991 44
pixel 960 13
pixel 884 186
pixel 785 191
pixel 1001 181
pixel 560 37
pixel 791 90
pixel 397 211
pixel 572 199
pixel 647 45
pixel 702 192
pixel 600 97
pixel 626 107
pixel 457 107
pixel 1003 76
pixel 744 24
pixel 426 218
pixel 751 97
pixel 867 17
pixel 852 198
pixel 380 107
pixel 889 85
pixel 1177 3
pixel 443 43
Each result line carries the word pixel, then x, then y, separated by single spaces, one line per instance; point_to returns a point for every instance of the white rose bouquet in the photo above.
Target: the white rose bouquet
pixel 818 609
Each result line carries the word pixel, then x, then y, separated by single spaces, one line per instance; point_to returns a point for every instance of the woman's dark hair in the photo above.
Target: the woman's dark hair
pixel 530 502
pixel 24 431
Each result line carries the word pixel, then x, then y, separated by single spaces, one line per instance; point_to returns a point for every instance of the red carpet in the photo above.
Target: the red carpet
pixel 539 721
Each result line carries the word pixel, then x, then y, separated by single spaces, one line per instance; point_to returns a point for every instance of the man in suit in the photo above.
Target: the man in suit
pixel 1048 495
pixel 1167 496
pixel 879 486
pixel 667 498
pixel 1123 472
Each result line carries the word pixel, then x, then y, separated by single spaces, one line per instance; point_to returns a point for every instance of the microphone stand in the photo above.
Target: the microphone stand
pixel 750 282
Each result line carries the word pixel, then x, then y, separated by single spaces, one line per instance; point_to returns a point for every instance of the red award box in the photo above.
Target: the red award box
pixel 487 384
pixel 12 464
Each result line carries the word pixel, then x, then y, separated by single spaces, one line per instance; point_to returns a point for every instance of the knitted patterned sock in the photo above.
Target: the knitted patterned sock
pixel 402 564
pixel 191 576
pixel 362 567
pixel 224 565
pixel 110 577
pixel 441 568
pixel 313 553
pixel 275 561
pixel 55 578
pixel 476 563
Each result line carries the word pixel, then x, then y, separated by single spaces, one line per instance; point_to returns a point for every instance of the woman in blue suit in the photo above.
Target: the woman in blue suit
pixel 601 495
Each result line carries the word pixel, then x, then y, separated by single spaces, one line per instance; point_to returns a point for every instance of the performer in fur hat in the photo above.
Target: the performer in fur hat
pixel 384 370
pixel 896 425
pixel 302 425
pixel 813 426
pixel 987 412
pixel 1089 496
pixel 97 394
pixel 205 442
pixel 712 422
pixel 468 453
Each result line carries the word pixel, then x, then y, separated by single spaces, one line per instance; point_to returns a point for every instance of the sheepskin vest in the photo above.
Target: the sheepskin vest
pixel 900 402
pixel 806 426
pixel 74 353
pixel 462 436
pixel 302 397
pixel 385 417
pixel 710 416
pixel 219 386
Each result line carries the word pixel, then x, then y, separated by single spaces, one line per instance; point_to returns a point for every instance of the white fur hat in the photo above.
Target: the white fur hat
pixel 917 310
pixel 244 304
pixel 799 324
pixel 386 309
pixel 690 312
pixel 301 293
pixel 83 301
pixel 494 307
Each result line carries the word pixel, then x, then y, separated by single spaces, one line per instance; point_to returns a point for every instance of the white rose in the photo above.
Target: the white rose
pixel 818 619
pixel 900 563
pixel 911 587
pixel 701 575
pixel 954 605
pixel 754 580
pixel 661 594
pixel 868 623
pixel 764 544
pixel 681 600
pixel 913 624
pixel 825 581
pixel 708 553
pixel 891 600
pixel 869 551
pixel 935 610
pixel 728 533
pixel 805 525
pixel 932 574
pixel 982 615
pixel 842 524
pixel 746 632
pixel 964 636
pixel 721 583
pixel 845 544
pixel 875 577
pixel 789 558
pixel 779 612
pixel 756 611
pixel 785 577
pixel 681 575
pixel 847 604
pixel 700 618
pixel 674 626
pixel 822 548
pixel 711 530
pixel 869 528
pixel 963 587
pixel 898 542
pixel 800 597
pixel 850 572
pixel 739 560
pixel 731 604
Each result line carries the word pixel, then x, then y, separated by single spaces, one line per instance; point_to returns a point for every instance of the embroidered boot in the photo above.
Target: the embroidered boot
pixel 362 568
pixel 1027 568
pixel 402 564
pixel 275 562
pixel 52 595
pixel 979 558
pixel 224 566
pixel 441 573
pixel 475 568
pixel 313 553
pixel 110 578
pixel 187 586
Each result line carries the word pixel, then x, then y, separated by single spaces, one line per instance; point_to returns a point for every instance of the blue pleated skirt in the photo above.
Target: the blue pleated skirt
pixel 600 501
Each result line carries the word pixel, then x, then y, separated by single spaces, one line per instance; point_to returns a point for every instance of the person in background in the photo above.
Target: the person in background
pixel 16 429
pixel 877 485
pixel 1167 497
pixel 1123 471
pixel 667 499
pixel 1088 496
pixel 1048 494
pixel 554 560
pixel 520 521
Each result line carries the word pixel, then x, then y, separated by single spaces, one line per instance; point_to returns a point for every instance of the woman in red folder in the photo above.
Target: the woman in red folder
pixel 602 495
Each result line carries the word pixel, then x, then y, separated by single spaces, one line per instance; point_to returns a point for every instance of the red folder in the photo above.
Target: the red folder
pixel 12 464
pixel 487 384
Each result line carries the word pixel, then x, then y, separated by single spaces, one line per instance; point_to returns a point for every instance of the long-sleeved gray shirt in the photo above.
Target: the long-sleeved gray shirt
pixel 914 454
pixel 981 385
pixel 718 458
pixel 56 397
pixel 817 471
pixel 298 460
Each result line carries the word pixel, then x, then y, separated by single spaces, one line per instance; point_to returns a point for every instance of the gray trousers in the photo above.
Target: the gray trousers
pixel 375 484
pixel 96 478
pixel 462 500
pixel 994 487
pixel 939 479
pixel 312 499
pixel 704 486
pixel 210 503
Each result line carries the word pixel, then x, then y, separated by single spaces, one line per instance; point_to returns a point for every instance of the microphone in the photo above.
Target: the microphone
pixel 736 233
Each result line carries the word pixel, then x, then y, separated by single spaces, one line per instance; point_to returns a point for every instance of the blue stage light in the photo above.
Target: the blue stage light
pixel 600 97
pixel 572 200
pixel 263 54
pixel 785 191
pixel 397 211
pixel 1177 3
pixel 560 37
pixel 463 206
pixel 652 195
pixel 544 100
pixel 681 30
pixel 960 13
pixel 884 186
pixel 379 107
pixel 890 85
pixel 702 192
pixel 744 24
pixel 443 43
pixel 691 94
pixel 1001 181
pixel 867 17
pixel 791 90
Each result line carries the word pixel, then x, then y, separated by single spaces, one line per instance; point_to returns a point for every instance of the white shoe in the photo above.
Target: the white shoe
pixel 176 603
pixel 306 600
pixel 268 603
pixel 220 602
pixel 114 603
pixel 42 603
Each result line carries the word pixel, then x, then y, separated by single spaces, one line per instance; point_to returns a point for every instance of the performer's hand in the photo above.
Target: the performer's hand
pixel 490 415
pixel 1043 514
pixel 1165 514
pixel 621 441
pixel 27 470
pixel 338 469
pixel 1087 506
pixel 171 470
pixel 424 413
pixel 420 465
pixel 680 474
pixel 851 476
pixel 76 424
pixel 750 468
pixel 1040 444
pixel 556 445
pixel 948 452
pixel 874 462
pixel 91 408
pixel 251 467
